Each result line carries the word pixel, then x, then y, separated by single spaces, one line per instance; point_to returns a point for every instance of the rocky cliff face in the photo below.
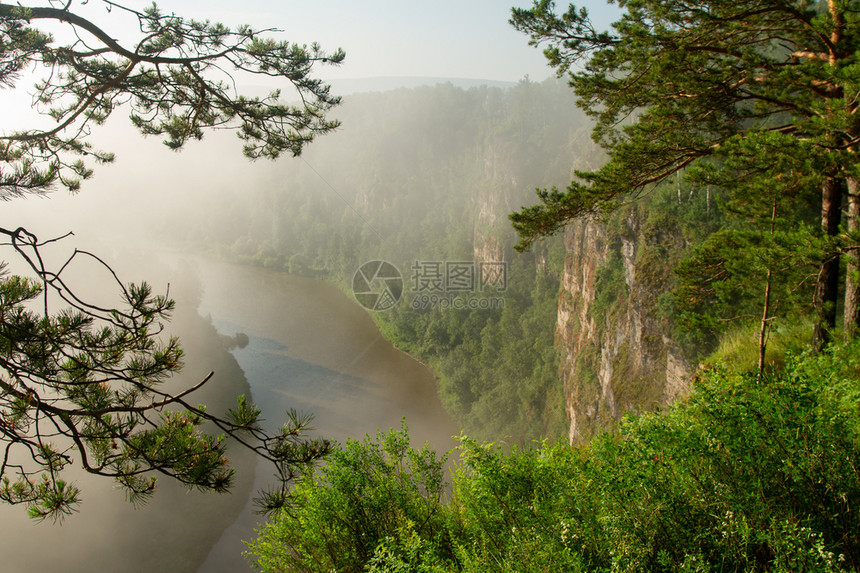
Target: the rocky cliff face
pixel 490 224
pixel 491 202
pixel 616 352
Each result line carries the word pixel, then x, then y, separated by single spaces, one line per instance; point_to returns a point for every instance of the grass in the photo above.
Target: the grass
pixel 738 349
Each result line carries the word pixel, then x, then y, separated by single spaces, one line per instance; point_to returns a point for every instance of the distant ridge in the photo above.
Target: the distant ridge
pixel 382 84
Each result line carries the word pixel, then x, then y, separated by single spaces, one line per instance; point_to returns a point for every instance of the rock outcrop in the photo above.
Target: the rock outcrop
pixel 616 351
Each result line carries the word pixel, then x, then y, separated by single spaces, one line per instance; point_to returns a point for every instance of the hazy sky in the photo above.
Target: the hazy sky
pixel 435 38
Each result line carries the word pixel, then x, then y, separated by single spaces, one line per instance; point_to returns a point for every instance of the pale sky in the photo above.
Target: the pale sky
pixel 425 38
pixel 433 38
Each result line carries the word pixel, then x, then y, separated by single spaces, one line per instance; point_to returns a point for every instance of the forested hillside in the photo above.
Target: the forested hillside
pixel 428 176
pixel 425 176
pixel 591 323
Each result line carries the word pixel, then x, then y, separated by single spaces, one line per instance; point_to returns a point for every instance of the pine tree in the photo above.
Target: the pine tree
pixel 84 384
pixel 680 84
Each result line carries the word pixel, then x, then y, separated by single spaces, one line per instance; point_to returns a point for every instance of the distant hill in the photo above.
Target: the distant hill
pixel 350 86
pixel 383 84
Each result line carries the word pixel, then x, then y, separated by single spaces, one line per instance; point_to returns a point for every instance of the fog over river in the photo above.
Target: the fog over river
pixel 310 347
pixel 313 348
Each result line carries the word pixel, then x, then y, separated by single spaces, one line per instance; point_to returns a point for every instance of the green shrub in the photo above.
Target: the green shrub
pixel 750 473
pixel 367 494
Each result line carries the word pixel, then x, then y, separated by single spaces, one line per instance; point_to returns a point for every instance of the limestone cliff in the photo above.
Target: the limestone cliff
pixel 615 348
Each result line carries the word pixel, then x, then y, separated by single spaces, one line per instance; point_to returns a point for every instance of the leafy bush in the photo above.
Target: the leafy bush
pixel 749 474
pixel 369 494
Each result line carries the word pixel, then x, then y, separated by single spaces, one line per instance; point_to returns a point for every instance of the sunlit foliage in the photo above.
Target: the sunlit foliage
pixel 749 474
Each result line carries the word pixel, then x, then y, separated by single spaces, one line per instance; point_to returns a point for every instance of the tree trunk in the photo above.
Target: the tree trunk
pixel 827 287
pixel 765 315
pixel 762 333
pixel 852 280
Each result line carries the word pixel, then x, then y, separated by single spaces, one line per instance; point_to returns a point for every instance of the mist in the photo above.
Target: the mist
pixel 413 175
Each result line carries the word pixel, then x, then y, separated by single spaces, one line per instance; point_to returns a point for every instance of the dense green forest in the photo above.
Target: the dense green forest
pixel 428 175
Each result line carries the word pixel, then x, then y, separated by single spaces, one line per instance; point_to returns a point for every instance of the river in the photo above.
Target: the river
pixel 310 347
pixel 313 348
